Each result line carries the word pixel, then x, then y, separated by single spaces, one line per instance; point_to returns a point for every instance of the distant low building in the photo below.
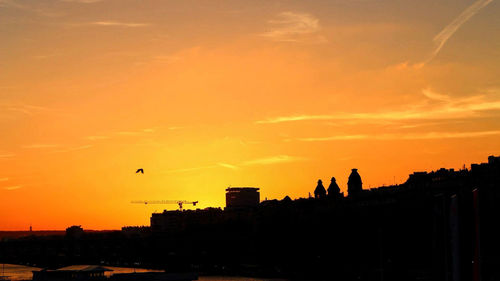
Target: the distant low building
pixel 175 221
pixel 90 273
pixel 136 230
pixel 242 197
pixel 75 231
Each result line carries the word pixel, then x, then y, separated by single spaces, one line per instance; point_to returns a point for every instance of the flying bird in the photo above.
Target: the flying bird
pixel 139 170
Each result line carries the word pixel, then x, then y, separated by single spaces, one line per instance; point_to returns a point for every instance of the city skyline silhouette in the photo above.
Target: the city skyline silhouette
pixel 153 140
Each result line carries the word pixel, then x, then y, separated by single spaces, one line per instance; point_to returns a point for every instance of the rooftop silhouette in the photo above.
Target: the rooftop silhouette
pixel 428 228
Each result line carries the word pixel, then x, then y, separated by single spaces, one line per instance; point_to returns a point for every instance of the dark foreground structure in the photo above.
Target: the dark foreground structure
pixel 91 273
pixel 97 273
pixel 441 225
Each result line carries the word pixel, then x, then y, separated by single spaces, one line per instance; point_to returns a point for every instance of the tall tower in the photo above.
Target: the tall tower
pixel 354 184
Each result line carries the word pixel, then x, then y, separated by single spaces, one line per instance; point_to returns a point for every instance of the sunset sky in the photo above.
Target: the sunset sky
pixel 209 94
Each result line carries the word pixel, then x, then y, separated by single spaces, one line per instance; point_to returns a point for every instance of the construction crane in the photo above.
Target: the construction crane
pixel 178 202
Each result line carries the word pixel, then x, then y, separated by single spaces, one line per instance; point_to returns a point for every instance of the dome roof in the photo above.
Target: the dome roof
pixel 354 184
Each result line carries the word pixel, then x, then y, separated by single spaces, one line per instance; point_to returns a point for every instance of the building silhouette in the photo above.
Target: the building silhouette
pixel 320 191
pixel 333 189
pixel 242 197
pixel 74 231
pixel 89 273
pixel 354 184
pixel 428 228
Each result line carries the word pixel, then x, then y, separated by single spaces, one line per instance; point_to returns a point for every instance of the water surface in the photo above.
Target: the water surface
pixel 22 272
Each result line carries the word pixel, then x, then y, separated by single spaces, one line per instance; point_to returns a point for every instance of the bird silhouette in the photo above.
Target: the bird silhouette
pixel 139 170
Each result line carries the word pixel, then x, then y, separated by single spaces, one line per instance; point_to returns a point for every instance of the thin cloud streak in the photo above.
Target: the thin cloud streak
pixel 435 96
pixel 137 133
pixel 11 3
pixel 445 34
pixel 123 133
pixel 272 160
pixel 74 148
pixel 296 118
pixel 292 27
pixel 334 138
pixel 229 166
pixel 94 138
pixel 261 161
pixel 40 145
pixel 27 109
pixel 190 169
pixel 83 1
pixel 420 136
pixel 444 108
pixel 119 24
pixel 6 156
pixel 14 187
pixel 4 179
pixel 28 8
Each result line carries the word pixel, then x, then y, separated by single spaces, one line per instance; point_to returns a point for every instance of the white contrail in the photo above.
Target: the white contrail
pixel 445 34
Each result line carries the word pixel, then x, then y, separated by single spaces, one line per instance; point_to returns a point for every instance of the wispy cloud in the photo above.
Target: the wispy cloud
pixel 442 37
pixel 260 161
pixel 11 3
pixel 40 145
pixel 229 166
pixel 435 96
pixel 83 1
pixel 441 107
pixel 272 160
pixel 27 109
pixel 119 24
pixel 4 179
pixel 415 136
pixel 95 138
pixel 292 118
pixel 74 148
pixel 334 138
pixel 13 187
pixel 167 59
pixel 6 156
pixel 43 57
pixel 137 133
pixel 445 34
pixel 294 27
pixel 140 132
pixel 190 169
pixel 30 7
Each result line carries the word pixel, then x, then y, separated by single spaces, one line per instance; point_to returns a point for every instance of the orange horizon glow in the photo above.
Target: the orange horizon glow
pixel 203 96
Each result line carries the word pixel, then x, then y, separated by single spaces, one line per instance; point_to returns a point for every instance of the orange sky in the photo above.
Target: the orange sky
pixel 207 94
